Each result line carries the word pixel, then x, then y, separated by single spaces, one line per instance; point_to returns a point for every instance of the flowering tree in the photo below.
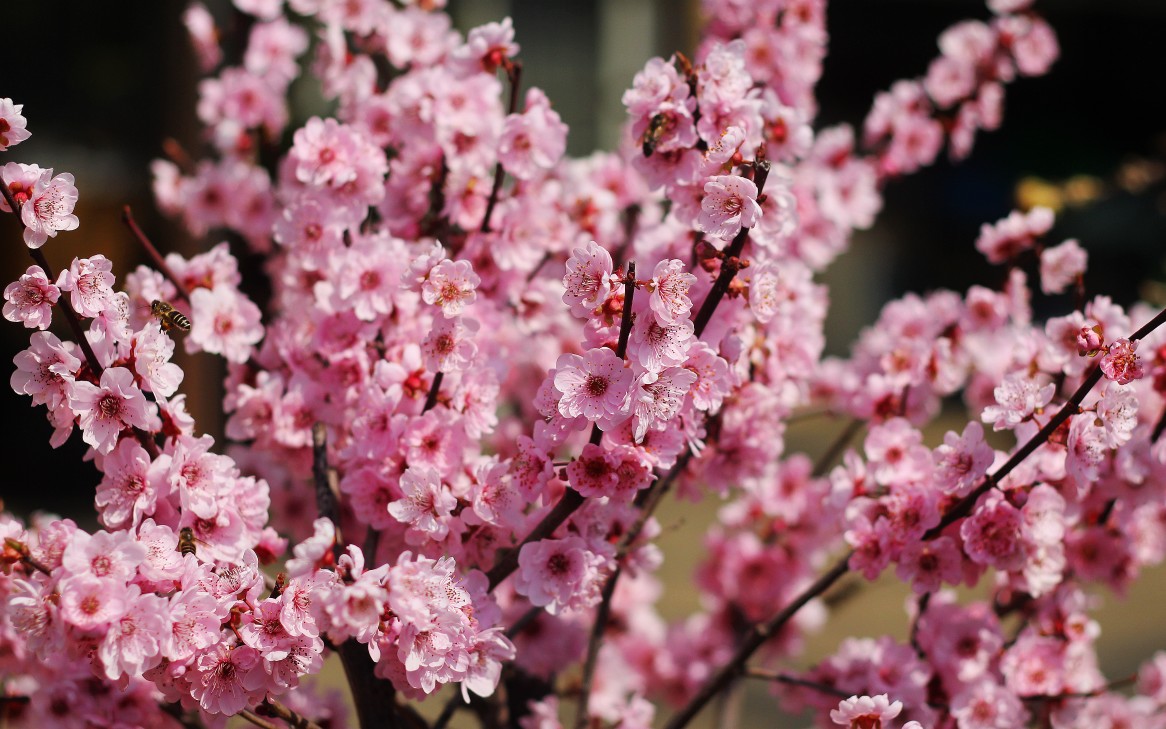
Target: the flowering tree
pixel 485 365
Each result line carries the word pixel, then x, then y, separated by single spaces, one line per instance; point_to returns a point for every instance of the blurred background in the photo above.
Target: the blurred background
pixel 103 85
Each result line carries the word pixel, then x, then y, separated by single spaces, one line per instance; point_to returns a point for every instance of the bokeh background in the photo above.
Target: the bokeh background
pixel 104 84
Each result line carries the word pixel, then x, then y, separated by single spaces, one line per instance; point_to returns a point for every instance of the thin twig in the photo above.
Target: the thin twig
pixel 602 613
pixel 431 397
pixel 514 73
pixel 271 707
pixel 325 479
pixel 127 217
pixel 831 454
pixel 254 719
pixel 795 681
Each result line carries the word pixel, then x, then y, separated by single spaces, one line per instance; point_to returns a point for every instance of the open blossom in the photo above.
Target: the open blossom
pixel 595 386
pixel 12 124
pixel 91 603
pixel 1013 235
pixel 427 503
pixel 223 321
pixel 559 574
pixel 1061 265
pixel 669 287
pixel 89 282
pixel 866 712
pixel 30 299
pixel 449 346
pixel 1017 398
pixel 534 140
pixel 49 208
pixel 451 285
pixel 588 279
pixel 105 410
pixel 729 204
pixel 1121 363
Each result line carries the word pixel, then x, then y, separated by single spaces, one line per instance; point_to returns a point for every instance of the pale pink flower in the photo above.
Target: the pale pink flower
pixel 91 603
pixel 1061 265
pixel 30 299
pixel 1017 398
pixel 12 124
pixel 962 460
pixel 204 36
pixel 227 679
pixel 1089 340
pixel 866 712
pixel 992 534
pixel 487 46
pixel 451 285
pixel 1120 362
pixel 532 142
pixel 152 352
pixel 105 410
pixel 729 204
pixel 125 494
pixel 427 503
pixel 105 555
pixel 1009 237
pixel 449 346
pixel 89 282
pixel 656 347
pixel 134 640
pixel 669 287
pixel 595 386
pixel 658 397
pixel 559 574
pixel 588 279
pixel 49 208
pixel 223 321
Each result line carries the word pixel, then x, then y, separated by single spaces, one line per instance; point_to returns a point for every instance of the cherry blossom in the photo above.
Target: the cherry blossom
pixel 13 125
pixel 106 409
pixel 729 204
pixel 30 299
pixel 596 386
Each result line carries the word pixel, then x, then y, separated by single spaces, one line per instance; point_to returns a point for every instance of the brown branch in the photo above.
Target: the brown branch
pixel 795 681
pixel 431 397
pixel 514 73
pixel 326 483
pixel 254 719
pixel 839 445
pixel 127 217
pixel 271 707
pixel 730 263
pixel 602 614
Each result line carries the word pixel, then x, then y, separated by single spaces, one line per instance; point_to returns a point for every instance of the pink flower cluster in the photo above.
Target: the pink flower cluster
pixel 455 302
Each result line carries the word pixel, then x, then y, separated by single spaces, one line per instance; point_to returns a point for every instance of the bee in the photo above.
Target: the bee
pixel 651 137
pixel 186 541
pixel 169 316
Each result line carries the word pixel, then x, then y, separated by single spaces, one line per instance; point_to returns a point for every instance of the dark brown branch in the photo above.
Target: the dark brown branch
pixel 431 397
pixel 127 217
pixel 730 264
pixel 826 459
pixel 271 707
pixel 514 73
pixel 326 483
pixel 795 681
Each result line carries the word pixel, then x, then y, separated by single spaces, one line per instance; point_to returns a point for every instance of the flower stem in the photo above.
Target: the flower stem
pixel 127 217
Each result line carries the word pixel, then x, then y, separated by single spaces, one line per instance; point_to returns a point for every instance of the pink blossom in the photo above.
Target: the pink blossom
pixel 1009 237
pixel 106 409
pixel 962 460
pixel 658 398
pixel 1061 265
pixel 729 204
pixel 588 279
pixel 105 555
pixel 992 534
pixel 126 494
pixel 91 603
pixel 12 124
pixel 30 299
pixel 669 287
pixel 487 46
pixel 427 502
pixel 1088 341
pixel 655 347
pixel 225 322
pixel 49 208
pixel 226 679
pixel 1120 362
pixel 89 282
pixel 533 141
pixel 450 285
pixel 449 346
pixel 134 641
pixel 596 386
pixel 200 25
pixel 866 712
pixel 559 574
pixel 1017 398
